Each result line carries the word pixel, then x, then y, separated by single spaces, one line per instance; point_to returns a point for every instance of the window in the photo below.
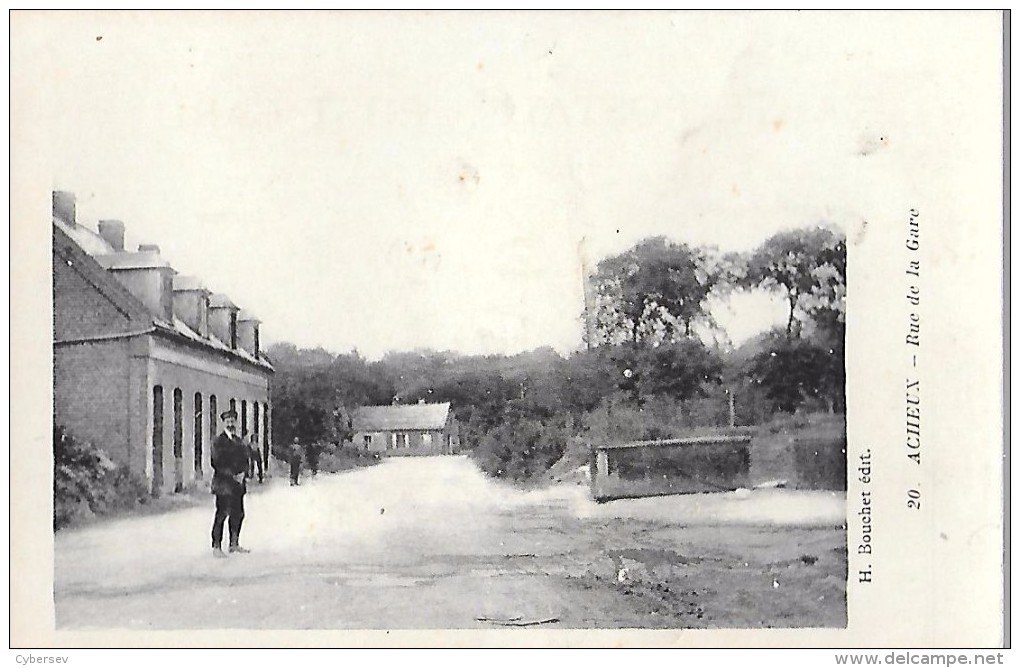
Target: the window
pixel 178 423
pixel 265 431
pixel 233 330
pixel 157 438
pixel 178 440
pixel 256 341
pixel 244 418
pixel 255 420
pixel 368 441
pixel 213 417
pixel 400 441
pixel 233 405
pixel 426 439
pixel 198 434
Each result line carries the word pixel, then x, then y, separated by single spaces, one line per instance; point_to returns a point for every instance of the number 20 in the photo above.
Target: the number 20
pixel 913 499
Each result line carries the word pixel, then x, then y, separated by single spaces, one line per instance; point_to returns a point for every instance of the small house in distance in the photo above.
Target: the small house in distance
pixel 408 430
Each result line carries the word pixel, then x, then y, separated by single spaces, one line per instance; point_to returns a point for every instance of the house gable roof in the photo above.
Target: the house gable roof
pixel 87 240
pixel 397 418
pixel 66 249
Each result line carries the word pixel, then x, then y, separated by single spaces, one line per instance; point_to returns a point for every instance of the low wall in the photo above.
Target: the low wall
pixel 808 458
pixel 820 462
pixel 683 466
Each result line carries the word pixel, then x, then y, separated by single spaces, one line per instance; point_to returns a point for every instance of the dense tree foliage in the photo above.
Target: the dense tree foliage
pixel 655 292
pixel 679 370
pixel 796 371
pixel 807 267
pixel 314 392
pixel 806 366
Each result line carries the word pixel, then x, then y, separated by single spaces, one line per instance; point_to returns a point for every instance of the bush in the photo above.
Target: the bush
pixel 86 482
pixel 521 446
pixel 336 458
pixel 618 419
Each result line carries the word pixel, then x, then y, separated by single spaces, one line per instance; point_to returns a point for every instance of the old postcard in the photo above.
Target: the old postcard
pixel 507 329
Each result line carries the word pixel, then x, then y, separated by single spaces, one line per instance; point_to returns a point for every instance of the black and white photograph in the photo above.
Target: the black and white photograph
pixel 510 323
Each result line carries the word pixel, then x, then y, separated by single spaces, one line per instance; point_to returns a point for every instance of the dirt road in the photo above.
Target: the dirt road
pixel 432 543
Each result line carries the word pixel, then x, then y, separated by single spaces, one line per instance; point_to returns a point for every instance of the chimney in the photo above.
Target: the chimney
pixel 64 206
pixel 147 276
pixel 191 303
pixel 148 248
pixel 248 333
pixel 112 232
pixel 223 320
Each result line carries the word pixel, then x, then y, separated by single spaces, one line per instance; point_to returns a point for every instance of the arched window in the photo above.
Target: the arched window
pixel 213 418
pixel 244 418
pixel 157 438
pixel 255 420
pixel 178 440
pixel 199 428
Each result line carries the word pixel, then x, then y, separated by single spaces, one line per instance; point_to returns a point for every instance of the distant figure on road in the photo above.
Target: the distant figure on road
pixel 230 460
pixel 312 455
pixel 254 459
pixel 294 459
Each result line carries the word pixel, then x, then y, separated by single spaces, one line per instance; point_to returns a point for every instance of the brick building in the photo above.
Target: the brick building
pixel 145 360
pixel 413 429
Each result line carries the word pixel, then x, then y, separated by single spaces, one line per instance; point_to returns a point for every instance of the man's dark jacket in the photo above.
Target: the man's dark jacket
pixel 229 457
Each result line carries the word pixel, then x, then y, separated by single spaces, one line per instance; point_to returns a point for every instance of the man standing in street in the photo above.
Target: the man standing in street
pixel 230 467
pixel 255 458
pixel 312 457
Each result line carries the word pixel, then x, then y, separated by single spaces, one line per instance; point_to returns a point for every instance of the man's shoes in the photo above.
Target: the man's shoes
pixel 239 550
pixel 218 553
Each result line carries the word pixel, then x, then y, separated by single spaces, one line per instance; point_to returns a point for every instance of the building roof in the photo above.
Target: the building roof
pixel 132 260
pixel 71 252
pixel 87 240
pixel 220 300
pixel 395 418
pixel 182 283
pixel 86 251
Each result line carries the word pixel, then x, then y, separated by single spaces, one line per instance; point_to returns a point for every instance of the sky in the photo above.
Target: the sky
pixel 391 181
